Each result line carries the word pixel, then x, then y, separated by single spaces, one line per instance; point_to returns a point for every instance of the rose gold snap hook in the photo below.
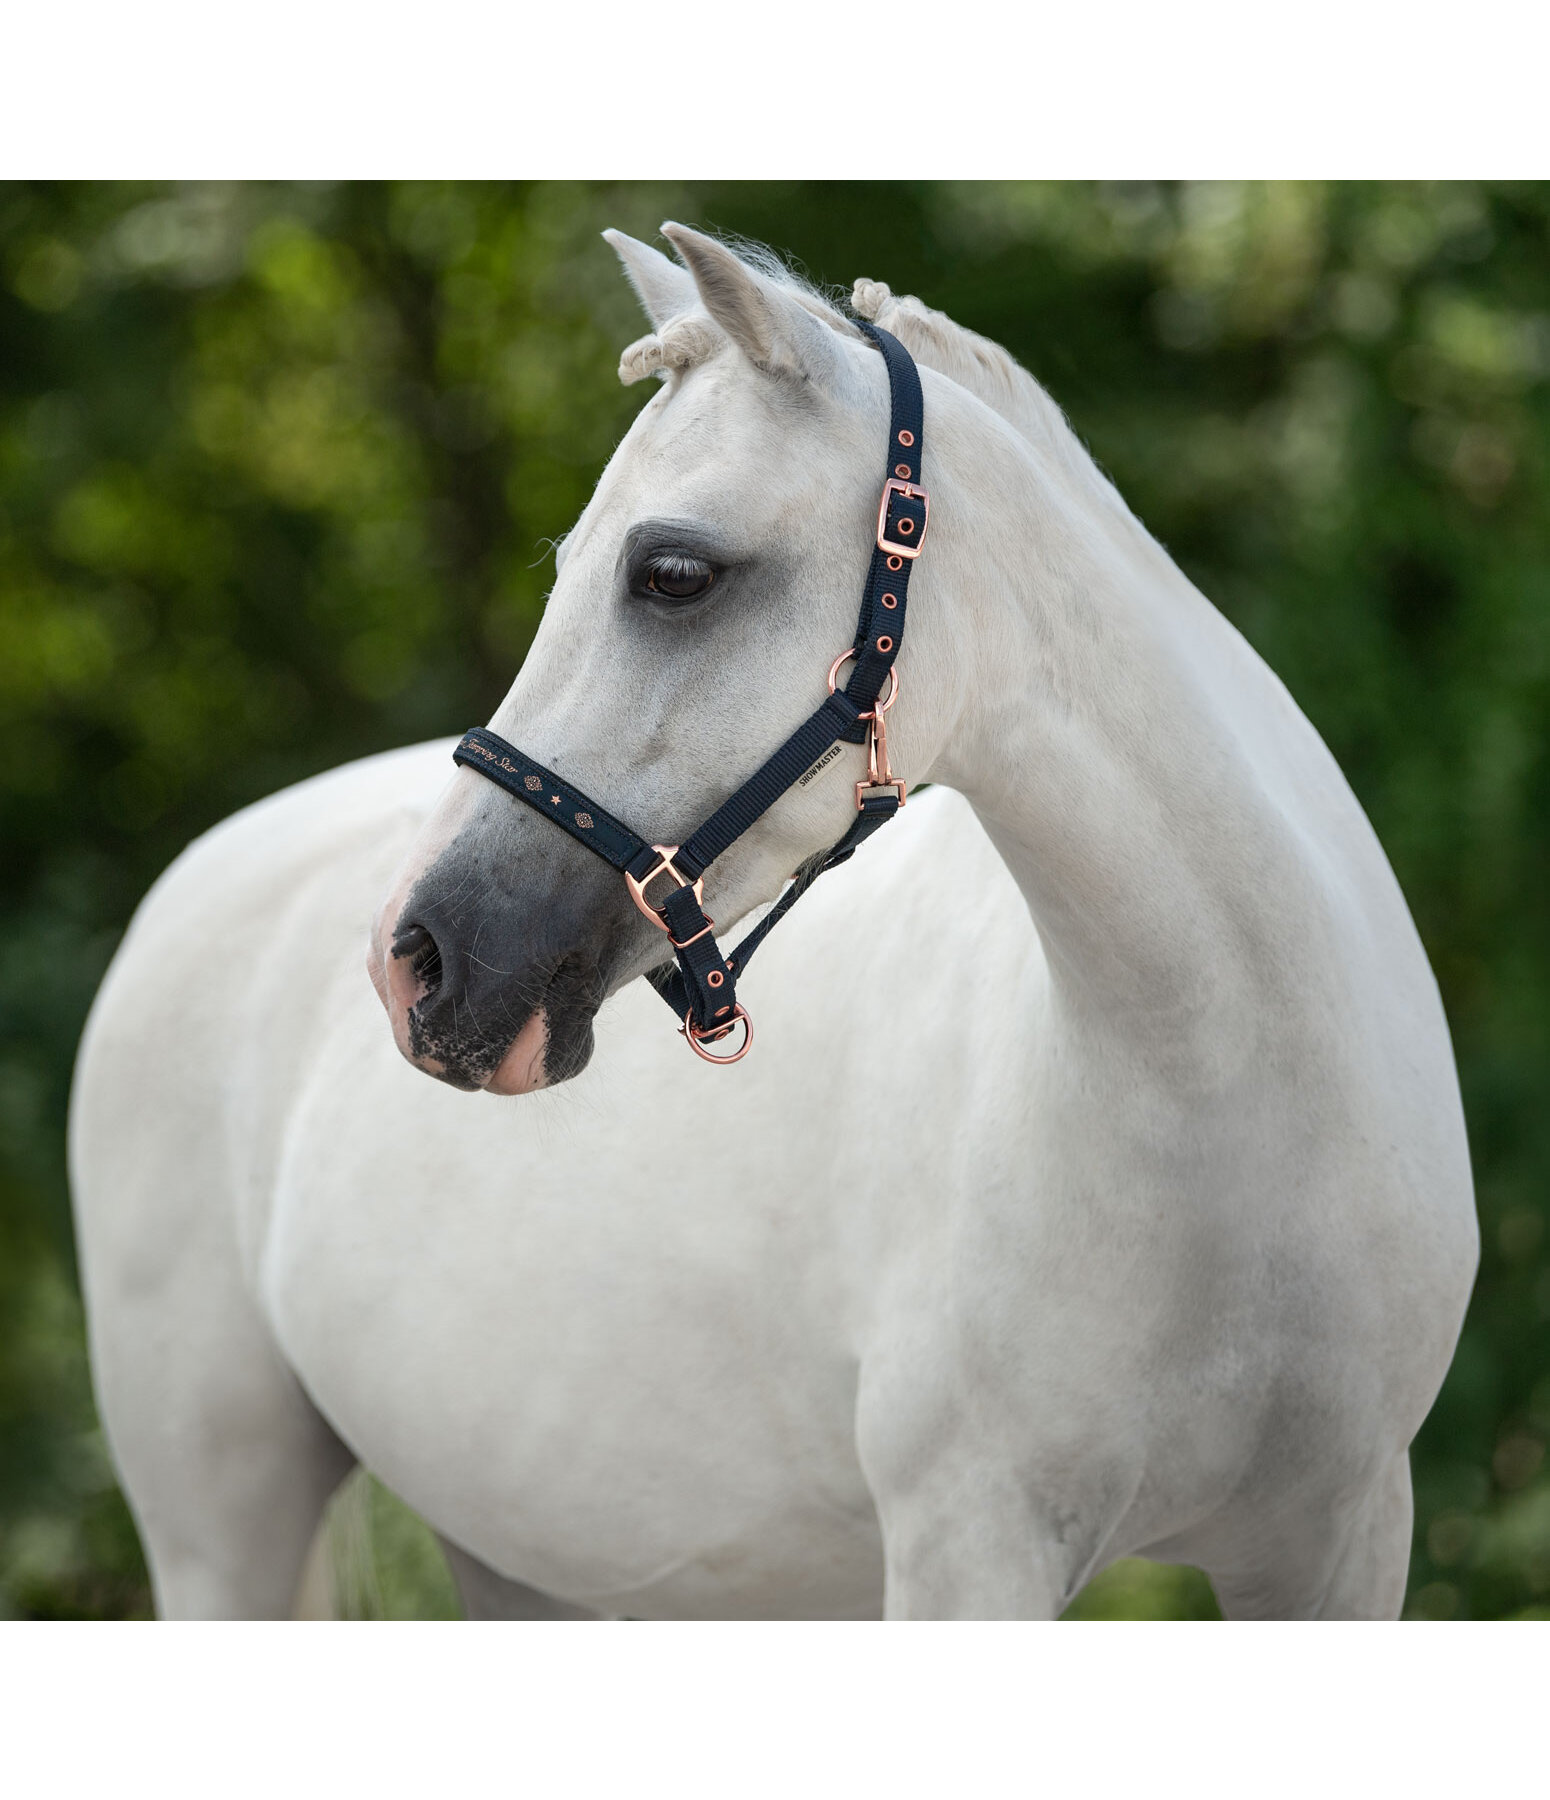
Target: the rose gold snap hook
pixel 714 1036
pixel 882 705
pixel 879 775
pixel 665 867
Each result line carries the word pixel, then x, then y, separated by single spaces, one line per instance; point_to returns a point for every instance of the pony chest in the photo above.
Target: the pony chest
pixel 542 1367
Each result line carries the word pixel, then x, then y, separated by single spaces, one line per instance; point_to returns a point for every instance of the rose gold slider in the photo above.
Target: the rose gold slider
pixel 665 867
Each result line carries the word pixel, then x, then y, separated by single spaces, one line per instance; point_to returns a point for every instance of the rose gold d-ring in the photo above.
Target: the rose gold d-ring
pixel 665 867
pixel 893 682
pixel 716 1033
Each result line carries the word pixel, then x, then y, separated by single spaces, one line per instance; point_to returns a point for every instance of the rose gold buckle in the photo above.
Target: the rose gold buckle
pixel 893 683
pixel 713 1034
pixel 705 930
pixel 666 867
pixel 891 546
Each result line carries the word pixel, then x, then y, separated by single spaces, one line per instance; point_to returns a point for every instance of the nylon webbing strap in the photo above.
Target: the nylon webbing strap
pixel 837 718
pixel 874 814
pixel 544 791
pixel 702 989
pixel 901 527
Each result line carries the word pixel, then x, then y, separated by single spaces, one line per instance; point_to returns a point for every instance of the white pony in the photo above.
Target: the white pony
pixel 1009 1251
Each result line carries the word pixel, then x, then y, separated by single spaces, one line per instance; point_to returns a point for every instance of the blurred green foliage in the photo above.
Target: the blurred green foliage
pixel 278 467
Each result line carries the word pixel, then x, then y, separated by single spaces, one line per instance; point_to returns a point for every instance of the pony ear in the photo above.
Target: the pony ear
pixel 663 288
pixel 767 322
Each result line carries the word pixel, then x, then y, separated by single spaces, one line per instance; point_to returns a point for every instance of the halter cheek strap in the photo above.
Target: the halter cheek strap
pixel 666 881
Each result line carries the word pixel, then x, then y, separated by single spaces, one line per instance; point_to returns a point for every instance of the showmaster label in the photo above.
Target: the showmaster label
pixel 822 763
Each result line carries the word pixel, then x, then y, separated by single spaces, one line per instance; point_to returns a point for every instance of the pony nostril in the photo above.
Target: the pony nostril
pixel 424 955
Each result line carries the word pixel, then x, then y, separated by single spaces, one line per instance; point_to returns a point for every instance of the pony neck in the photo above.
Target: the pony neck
pixel 1141 772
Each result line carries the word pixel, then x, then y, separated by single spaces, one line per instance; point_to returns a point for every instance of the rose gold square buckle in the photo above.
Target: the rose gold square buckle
pixel 896 546
pixel 665 867
pixel 865 789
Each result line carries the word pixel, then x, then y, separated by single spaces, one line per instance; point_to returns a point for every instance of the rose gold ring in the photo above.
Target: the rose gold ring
pixel 715 1034
pixel 893 681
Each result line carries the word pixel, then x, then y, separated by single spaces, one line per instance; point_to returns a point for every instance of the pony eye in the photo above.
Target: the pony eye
pixel 678 577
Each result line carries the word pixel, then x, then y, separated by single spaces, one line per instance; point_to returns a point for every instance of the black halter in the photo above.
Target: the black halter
pixel 702 991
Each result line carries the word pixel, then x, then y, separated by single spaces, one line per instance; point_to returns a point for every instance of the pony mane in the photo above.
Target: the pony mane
pixel 990 373
pixel 976 363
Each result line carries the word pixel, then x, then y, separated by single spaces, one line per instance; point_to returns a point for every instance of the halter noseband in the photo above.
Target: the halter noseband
pixel 702 991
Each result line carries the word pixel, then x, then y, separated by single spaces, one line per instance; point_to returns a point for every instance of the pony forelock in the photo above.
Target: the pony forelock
pixel 680 344
pixel 693 337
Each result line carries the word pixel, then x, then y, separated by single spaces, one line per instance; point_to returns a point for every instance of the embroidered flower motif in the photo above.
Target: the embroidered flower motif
pixel 584 820
pixel 532 784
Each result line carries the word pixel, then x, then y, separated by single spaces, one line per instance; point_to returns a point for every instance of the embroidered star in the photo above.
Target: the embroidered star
pixel 554 799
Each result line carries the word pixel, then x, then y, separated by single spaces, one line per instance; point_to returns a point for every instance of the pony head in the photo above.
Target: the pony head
pixel 699 602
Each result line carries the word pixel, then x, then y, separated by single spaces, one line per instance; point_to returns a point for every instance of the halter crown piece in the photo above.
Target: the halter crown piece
pixel 666 881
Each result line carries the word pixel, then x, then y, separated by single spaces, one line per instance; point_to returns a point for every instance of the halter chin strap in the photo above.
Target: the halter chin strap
pixel 666 881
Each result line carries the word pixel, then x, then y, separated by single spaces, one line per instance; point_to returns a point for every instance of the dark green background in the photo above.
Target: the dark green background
pixel 277 468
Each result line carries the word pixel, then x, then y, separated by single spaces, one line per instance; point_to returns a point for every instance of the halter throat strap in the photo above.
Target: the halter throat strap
pixel 666 881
